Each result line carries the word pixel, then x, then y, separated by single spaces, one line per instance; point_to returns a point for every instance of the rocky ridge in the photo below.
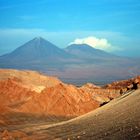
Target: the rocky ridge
pixel 32 92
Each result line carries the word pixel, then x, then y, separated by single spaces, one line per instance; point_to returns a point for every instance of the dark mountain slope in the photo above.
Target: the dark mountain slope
pixel 36 49
pixel 86 51
pixel 75 64
pixel 37 54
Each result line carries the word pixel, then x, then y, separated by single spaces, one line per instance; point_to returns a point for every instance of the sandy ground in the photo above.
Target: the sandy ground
pixel 117 120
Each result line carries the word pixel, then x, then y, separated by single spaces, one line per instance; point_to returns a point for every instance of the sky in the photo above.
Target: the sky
pixel 110 25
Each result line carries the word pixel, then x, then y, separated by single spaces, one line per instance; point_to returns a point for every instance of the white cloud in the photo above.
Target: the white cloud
pixel 98 43
pixel 11 38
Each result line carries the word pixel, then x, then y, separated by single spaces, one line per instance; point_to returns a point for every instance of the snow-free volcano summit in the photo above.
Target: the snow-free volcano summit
pixel 77 63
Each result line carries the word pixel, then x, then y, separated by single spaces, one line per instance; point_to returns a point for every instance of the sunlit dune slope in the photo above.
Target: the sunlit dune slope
pixel 118 120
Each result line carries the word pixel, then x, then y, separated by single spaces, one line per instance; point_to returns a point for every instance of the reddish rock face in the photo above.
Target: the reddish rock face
pixel 32 80
pixel 101 94
pixel 124 84
pixel 31 92
pixel 61 100
pixel 13 93
pixel 6 135
pixel 56 98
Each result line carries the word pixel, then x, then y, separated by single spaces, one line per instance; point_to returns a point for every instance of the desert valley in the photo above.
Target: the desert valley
pixel 44 96
pixel 69 69
pixel 34 106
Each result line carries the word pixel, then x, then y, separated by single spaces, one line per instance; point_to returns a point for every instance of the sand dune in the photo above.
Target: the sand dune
pixel 118 120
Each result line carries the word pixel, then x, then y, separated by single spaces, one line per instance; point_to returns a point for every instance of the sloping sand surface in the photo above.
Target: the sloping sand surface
pixel 118 120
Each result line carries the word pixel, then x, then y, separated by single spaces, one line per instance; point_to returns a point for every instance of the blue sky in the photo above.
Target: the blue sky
pixel 63 21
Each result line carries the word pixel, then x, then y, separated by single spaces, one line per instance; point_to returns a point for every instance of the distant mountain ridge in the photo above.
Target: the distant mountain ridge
pixel 78 63
pixel 37 49
pixel 86 51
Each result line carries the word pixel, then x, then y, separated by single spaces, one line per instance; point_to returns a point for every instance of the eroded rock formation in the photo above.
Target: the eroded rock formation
pixel 31 92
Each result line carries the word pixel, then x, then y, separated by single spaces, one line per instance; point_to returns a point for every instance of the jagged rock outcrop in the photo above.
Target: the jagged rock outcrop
pixel 31 92
pixel 13 93
pixel 100 94
pixel 56 98
pixel 61 100
pixel 125 85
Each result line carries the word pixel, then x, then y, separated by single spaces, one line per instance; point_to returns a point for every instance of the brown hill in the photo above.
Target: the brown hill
pixel 31 92
pixel 30 79
pixel 61 100
pixel 31 104
pixel 13 94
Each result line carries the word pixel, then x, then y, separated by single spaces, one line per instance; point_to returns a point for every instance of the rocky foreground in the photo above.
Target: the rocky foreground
pixel 30 99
